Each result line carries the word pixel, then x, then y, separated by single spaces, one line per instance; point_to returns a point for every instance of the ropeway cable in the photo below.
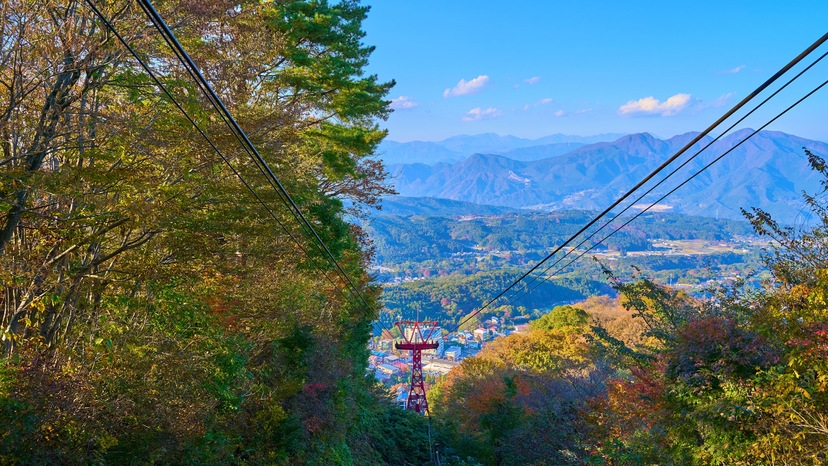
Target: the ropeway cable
pixel 655 172
pixel 651 189
pixel 616 230
pixel 212 144
pixel 216 101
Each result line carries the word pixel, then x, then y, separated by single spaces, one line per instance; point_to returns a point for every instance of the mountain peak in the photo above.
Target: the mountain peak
pixel 486 159
pixel 459 147
pixel 642 137
pixel 769 172
pixel 639 144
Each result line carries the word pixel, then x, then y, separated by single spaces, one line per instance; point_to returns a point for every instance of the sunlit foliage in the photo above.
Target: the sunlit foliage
pixel 737 377
pixel 152 310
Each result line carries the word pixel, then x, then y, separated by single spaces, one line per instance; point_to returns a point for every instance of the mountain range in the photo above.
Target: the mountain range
pixel 434 207
pixel 770 170
pixel 457 148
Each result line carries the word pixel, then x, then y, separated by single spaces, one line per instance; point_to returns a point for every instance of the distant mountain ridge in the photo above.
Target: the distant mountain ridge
pixel 434 207
pixel 457 148
pixel 769 171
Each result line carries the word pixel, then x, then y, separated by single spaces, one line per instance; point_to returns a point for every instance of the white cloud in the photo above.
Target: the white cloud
pixel 652 106
pixel 722 100
pixel 564 113
pixel 545 101
pixel 478 114
pixel 532 80
pixel 733 70
pixel 467 87
pixel 403 102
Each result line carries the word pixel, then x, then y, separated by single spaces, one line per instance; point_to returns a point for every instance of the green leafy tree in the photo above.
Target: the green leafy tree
pixel 735 379
pixel 563 318
pixel 151 307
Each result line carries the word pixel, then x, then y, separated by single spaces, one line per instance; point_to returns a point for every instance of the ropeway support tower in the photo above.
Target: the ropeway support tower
pixel 416 338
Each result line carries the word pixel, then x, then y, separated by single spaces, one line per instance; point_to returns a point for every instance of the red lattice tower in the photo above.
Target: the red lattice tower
pixel 417 337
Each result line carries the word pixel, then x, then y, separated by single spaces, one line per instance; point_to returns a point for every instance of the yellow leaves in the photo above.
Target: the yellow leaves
pixel 142 354
pixel 47 431
pixel 38 304
pixel 106 442
pixel 538 351
pixel 9 336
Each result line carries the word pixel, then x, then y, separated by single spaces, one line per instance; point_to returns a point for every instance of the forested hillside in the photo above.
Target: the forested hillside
pixel 449 299
pixel 442 234
pixel 659 376
pixel 154 310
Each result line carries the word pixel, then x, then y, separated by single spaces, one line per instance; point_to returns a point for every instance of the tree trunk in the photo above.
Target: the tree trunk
pixel 57 101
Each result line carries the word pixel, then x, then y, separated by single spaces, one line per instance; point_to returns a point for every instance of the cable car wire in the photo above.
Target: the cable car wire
pixel 616 230
pixel 655 172
pixel 542 276
pixel 217 103
pixel 211 143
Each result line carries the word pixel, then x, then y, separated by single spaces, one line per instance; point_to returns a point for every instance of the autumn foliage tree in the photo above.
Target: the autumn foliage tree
pixel 497 405
pixel 739 378
pixel 735 377
pixel 151 307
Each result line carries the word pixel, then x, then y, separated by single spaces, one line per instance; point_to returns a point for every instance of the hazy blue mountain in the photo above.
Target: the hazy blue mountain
pixel 491 143
pixel 565 138
pixel 542 152
pixel 458 148
pixel 768 171
pixel 485 142
pixel 416 152
pixel 434 207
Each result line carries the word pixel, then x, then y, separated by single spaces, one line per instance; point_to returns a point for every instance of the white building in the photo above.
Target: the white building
pixel 387 369
pixel 454 353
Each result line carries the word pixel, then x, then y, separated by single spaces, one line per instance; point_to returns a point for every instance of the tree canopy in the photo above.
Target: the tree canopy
pixel 153 310
pixel 735 377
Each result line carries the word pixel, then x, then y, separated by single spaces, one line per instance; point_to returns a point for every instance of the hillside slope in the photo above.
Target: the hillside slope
pixel 768 171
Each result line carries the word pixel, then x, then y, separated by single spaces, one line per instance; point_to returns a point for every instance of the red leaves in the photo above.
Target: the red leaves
pixel 711 349
pixel 223 310
pixel 314 389
pixel 813 343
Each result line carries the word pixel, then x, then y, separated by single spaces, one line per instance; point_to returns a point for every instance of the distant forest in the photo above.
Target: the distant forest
pixel 658 376
pixel 419 238
pixel 449 265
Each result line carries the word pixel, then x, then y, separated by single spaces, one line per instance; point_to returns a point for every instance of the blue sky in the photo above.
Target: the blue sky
pixel 534 68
